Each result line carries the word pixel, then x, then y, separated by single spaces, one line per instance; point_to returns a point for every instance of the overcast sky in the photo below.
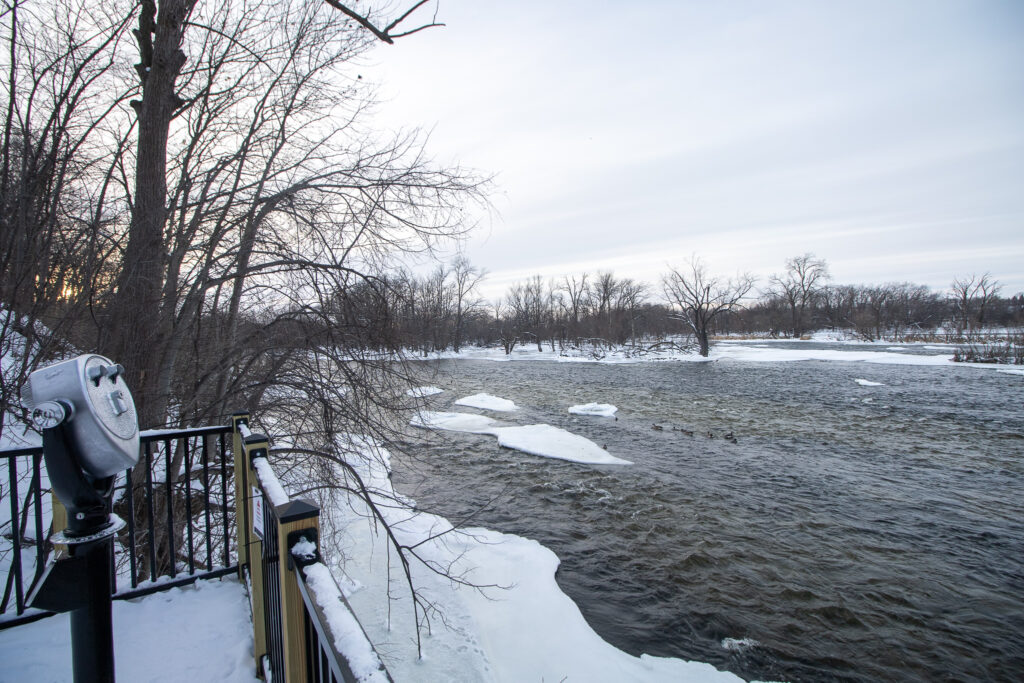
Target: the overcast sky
pixel 885 137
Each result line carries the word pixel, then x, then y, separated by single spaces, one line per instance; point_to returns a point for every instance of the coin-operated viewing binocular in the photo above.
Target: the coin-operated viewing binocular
pixel 90 434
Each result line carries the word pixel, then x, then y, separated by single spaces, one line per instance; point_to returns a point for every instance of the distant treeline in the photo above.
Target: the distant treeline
pixel 442 311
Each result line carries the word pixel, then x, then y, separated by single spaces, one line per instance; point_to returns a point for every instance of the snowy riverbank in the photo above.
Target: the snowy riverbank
pixel 821 347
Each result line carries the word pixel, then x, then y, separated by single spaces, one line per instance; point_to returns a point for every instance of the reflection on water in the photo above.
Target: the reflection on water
pixel 842 532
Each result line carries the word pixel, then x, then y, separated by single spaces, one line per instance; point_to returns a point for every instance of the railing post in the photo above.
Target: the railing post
pixel 241 494
pixel 293 516
pixel 255 446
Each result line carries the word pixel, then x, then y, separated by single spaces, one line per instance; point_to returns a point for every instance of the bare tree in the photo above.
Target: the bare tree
pixel 799 286
pixel 465 278
pixel 971 297
pixel 577 291
pixel 223 214
pixel 700 298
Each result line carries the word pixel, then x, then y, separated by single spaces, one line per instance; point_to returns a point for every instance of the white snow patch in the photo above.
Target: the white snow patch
pixel 271 485
pixel 597 409
pixel 423 392
pixel 868 383
pixel 552 442
pixel 348 635
pixel 1012 371
pixel 201 632
pixel 304 549
pixel 487 402
pixel 895 348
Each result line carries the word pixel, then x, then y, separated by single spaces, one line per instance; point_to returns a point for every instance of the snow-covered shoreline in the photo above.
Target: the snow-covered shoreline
pixel 743 351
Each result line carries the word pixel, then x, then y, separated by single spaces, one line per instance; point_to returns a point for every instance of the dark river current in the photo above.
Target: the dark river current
pixel 859 533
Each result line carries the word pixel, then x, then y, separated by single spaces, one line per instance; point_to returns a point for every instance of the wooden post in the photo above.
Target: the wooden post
pixel 293 516
pixel 58 522
pixel 241 494
pixel 255 446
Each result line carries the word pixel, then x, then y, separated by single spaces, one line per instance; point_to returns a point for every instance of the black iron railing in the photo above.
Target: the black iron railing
pixel 178 503
pixel 271 560
pixel 23 548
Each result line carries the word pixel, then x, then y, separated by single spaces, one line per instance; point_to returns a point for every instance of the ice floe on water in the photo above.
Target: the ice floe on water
pixel 423 392
pixel 487 402
pixel 543 440
pixel 598 409
pixel 552 442
pixel 452 422
pixel 868 383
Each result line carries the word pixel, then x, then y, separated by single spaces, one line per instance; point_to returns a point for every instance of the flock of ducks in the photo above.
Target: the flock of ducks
pixel 728 436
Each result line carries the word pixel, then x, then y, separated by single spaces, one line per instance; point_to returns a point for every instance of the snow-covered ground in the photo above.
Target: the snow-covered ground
pixel 196 633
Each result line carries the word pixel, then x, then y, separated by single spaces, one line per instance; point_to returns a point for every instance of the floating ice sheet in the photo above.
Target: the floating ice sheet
pixel 552 442
pixel 543 440
pixel 423 392
pixel 598 409
pixel 487 402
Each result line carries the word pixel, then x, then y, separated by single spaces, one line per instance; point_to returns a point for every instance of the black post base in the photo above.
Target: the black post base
pixel 92 630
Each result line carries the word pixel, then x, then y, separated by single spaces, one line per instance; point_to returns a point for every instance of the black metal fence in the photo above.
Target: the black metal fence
pixel 23 549
pixel 178 504
pixel 272 617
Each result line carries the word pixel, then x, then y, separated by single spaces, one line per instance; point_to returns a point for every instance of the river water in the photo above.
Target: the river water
pixel 851 532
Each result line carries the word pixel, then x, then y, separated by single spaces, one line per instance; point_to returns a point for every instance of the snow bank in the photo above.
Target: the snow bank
pixel 197 633
pixel 775 354
pixel 423 392
pixel 519 627
pixel 552 442
pixel 597 409
pixel 868 383
pixel 487 402
pixel 541 439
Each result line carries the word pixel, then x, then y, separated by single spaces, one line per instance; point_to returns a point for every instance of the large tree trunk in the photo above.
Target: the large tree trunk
pixel 139 321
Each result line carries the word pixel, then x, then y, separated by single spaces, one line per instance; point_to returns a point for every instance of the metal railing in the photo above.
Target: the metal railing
pixel 292 639
pixel 195 506
pixel 323 664
pixel 178 502
pixel 25 504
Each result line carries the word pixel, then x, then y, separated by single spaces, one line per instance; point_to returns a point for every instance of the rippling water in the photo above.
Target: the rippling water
pixel 849 533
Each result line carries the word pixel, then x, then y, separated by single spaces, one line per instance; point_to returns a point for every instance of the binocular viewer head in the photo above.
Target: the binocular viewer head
pixel 89 397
